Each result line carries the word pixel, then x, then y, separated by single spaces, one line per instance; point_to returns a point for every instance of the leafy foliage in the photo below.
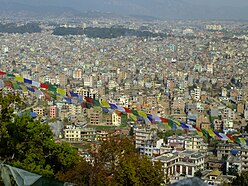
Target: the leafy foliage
pixel 13 28
pixel 241 180
pixel 115 163
pixel 28 144
pixel 113 32
pixel 233 170
pixel 198 174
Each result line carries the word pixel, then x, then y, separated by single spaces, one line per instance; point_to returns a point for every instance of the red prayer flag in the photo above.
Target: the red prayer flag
pixel 43 85
pixel 118 112
pixel 89 100
pixel 127 110
pixel 230 137
pixel 164 120
pixel 197 128
pixel 2 73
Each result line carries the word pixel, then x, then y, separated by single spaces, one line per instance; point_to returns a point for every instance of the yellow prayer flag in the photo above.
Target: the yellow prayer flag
pixel 242 141
pixel 143 114
pixel 61 91
pixel 104 104
pixel 177 122
pixel 19 79
pixel 211 133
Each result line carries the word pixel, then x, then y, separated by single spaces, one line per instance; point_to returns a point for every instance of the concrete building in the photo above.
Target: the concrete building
pixel 116 119
pixel 143 135
pixel 53 112
pixel 195 143
pixel 184 163
pixel 39 111
pixel 73 133
pixel 151 148
pixel 176 142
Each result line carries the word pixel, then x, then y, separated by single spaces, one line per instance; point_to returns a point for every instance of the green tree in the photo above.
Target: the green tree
pixel 116 162
pixel 28 144
pixel 241 180
pixel 198 173
pixel 233 170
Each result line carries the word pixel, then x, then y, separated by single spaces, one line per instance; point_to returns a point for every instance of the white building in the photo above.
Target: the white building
pixel 184 163
pixel 195 143
pixel 116 119
pixel 73 133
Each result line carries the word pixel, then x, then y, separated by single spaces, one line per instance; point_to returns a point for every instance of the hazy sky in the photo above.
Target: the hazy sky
pixel 196 9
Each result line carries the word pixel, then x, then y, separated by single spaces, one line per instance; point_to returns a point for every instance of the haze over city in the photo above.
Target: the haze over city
pixel 163 9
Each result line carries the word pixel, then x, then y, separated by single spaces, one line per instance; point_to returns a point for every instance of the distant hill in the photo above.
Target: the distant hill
pixel 164 9
pixel 14 8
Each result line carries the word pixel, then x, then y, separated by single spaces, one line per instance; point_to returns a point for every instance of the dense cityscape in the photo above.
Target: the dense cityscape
pixel 96 78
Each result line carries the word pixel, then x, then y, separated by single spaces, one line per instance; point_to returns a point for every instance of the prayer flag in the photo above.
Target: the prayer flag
pixel 157 119
pixel 52 88
pixel 104 104
pixel 135 112
pixel 127 110
pixel 19 79
pixel 36 83
pixel 43 85
pixel 61 91
pixel 27 81
pixel 113 106
pixel 142 114
pixel 211 133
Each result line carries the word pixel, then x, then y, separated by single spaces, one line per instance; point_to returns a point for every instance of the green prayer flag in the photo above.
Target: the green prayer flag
pixel 135 112
pixel 96 103
pixel 15 85
pixel 237 140
pixel 171 123
pixel 52 88
pixel 10 75
pixel 205 133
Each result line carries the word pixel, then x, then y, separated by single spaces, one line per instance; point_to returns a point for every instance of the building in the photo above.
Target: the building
pixel 176 142
pixel 39 111
pixel 224 149
pixel 218 124
pixel 143 135
pixel 73 133
pixel 77 74
pixel 151 148
pixel 116 119
pixel 53 112
pixel 244 159
pixel 184 163
pixel 195 143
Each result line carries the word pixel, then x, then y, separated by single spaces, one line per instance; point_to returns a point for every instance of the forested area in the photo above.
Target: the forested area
pixel 97 32
pixel 14 28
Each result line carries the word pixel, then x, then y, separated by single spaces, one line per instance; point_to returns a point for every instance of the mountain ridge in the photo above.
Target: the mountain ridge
pixel 162 9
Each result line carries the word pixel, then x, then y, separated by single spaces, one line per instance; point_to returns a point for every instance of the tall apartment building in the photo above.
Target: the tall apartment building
pixel 116 119
pixel 195 143
pixel 53 111
pixel 143 135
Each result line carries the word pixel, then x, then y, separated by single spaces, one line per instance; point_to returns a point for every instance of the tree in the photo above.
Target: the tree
pixel 28 144
pixel 198 173
pixel 241 180
pixel 233 170
pixel 116 162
